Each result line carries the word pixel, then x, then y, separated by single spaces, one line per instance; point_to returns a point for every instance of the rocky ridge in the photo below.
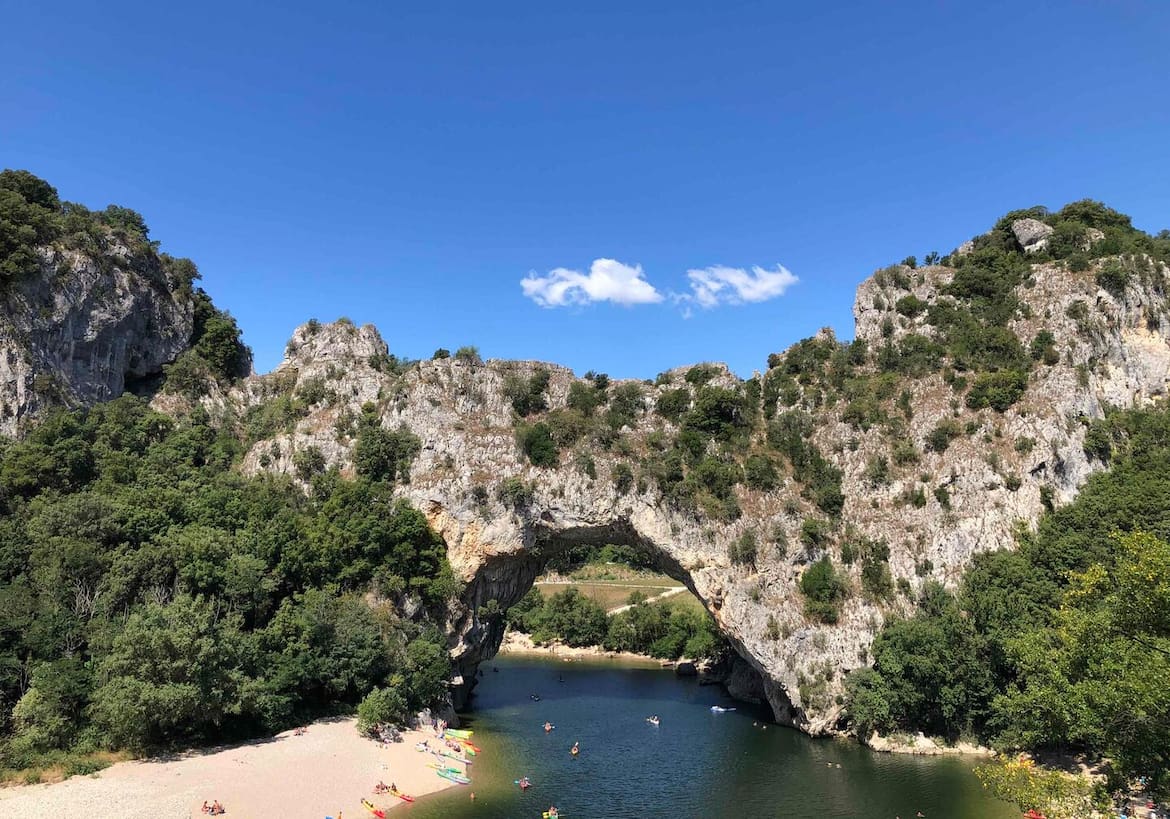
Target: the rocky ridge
pixel 1004 468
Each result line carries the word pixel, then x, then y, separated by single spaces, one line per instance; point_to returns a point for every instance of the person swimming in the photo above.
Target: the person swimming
pixel 548 726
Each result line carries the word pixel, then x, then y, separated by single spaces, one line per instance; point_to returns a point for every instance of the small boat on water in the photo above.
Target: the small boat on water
pixel 719 709
pixel 653 720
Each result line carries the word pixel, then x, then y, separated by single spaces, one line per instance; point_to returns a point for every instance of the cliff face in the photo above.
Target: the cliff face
pixel 84 326
pixel 934 505
pixel 958 414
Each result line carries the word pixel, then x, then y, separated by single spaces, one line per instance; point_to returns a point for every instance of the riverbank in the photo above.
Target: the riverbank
pixel 518 644
pixel 324 771
pixel 922 745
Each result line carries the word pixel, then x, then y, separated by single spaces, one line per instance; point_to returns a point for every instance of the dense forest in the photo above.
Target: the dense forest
pixel 1062 644
pixel 151 596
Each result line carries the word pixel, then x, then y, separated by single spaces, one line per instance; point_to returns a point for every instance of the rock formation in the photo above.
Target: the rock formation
pixel 1032 234
pixel 502 517
pixel 87 326
pixel 897 456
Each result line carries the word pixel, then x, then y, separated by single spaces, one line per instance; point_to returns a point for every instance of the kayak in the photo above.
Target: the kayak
pixel 453 758
pixel 454 777
pixel 719 709
pixel 458 733
pixel 470 746
pixel 381 814
pixel 404 797
pixel 439 767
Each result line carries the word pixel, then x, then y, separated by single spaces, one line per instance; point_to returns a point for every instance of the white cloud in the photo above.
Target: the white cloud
pixel 607 280
pixel 712 286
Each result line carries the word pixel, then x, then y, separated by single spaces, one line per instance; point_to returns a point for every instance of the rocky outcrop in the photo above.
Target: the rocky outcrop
pixel 1032 234
pixel 85 327
pixel 934 512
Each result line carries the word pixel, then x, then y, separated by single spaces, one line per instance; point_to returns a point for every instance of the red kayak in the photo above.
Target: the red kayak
pixel 368 805
pixel 404 797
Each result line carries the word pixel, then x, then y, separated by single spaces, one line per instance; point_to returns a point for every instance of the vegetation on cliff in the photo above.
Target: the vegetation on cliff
pixel 153 597
pixel 1063 643
pixel 33 219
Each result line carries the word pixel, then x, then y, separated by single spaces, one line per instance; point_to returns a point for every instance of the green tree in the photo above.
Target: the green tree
pixel 1097 675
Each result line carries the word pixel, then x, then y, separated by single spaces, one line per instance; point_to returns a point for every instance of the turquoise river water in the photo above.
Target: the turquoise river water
pixel 696 763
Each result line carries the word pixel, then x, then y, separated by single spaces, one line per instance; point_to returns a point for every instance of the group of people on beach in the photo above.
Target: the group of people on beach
pixel 213 809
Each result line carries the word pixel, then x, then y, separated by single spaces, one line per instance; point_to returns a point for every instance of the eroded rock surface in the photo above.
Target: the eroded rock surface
pixel 84 327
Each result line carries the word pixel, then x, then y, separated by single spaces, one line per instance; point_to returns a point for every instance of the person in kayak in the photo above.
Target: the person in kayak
pixel 553 812
pixel 574 750
pixel 548 726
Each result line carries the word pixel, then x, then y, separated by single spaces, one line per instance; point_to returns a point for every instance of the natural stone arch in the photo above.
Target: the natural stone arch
pixel 506 576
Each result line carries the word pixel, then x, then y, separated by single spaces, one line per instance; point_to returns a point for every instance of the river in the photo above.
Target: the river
pixel 695 764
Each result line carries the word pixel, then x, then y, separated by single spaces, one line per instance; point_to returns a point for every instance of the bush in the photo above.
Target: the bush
pixel 623 478
pixel 308 462
pixel 583 397
pixel 814 533
pixel 760 472
pixel 941 436
pixel 527 394
pixel 673 404
pixel 877 471
pixel 824 590
pixel 700 374
pixel 382 706
pixel 468 354
pixel 911 306
pixel 998 390
pixel 1043 348
pixel 1113 278
pixel 743 550
pixel 515 493
pixel 382 455
pixel 536 442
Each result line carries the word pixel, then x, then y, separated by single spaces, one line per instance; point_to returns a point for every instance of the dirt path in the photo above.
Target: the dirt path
pixel 656 598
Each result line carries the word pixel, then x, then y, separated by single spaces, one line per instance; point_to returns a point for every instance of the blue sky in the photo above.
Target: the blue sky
pixel 410 164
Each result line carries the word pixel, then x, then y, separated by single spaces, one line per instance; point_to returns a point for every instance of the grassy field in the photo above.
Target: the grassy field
pixel 612 584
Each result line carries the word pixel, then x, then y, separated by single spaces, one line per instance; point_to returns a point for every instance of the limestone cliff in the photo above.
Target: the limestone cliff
pixel 956 415
pixel 933 502
pixel 85 325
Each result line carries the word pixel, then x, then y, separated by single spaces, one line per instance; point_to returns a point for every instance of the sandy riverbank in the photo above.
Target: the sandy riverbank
pixel 920 745
pixel 518 644
pixel 322 772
